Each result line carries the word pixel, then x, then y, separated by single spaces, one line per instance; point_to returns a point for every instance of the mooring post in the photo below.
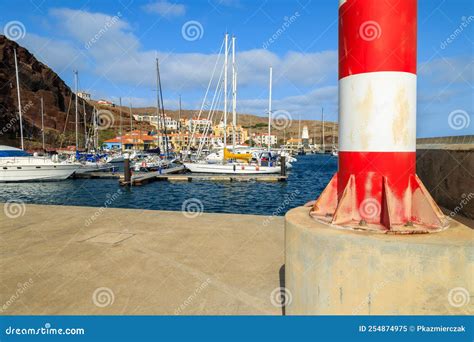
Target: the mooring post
pixel 376 186
pixel 283 166
pixel 127 172
pixel 334 261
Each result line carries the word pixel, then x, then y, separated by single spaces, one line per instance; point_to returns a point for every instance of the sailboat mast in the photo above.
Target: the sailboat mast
pixel 121 131
pixel 158 116
pixel 77 136
pixel 226 57
pixel 19 100
pixel 234 94
pixel 96 131
pixel 299 127
pixel 179 122
pixel 131 117
pixel 270 109
pixel 250 131
pixel 42 122
pixel 162 106
pixel 85 123
pixel 322 131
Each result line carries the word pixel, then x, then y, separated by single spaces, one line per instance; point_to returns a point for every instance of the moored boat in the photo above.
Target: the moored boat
pixel 17 165
pixel 231 168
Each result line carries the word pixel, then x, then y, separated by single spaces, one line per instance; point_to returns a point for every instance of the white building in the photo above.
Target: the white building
pixel 84 95
pixel 264 139
pixel 105 103
pixel 305 136
pixel 170 123
pixel 200 124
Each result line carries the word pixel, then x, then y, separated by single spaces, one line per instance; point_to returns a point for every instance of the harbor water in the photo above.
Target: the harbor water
pixel 306 180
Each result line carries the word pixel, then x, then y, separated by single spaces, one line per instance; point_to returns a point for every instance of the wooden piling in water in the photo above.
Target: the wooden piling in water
pixel 127 173
pixel 283 166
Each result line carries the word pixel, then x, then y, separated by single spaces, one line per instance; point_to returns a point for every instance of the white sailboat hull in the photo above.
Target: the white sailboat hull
pixel 94 167
pixel 34 169
pixel 231 168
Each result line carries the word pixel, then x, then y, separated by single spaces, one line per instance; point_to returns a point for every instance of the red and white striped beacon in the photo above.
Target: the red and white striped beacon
pixel 376 187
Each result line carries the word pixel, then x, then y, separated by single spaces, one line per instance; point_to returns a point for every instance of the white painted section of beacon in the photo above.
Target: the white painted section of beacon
pixel 377 112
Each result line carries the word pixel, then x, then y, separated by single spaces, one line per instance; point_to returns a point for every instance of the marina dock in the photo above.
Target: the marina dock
pixel 97 175
pixel 145 178
pixel 190 177
pixel 97 261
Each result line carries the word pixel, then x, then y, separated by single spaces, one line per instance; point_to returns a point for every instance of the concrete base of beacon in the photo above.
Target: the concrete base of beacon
pixel 330 271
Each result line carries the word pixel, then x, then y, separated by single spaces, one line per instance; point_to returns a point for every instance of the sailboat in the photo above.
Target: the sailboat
pixel 16 165
pixel 233 162
pixel 151 163
pixel 90 162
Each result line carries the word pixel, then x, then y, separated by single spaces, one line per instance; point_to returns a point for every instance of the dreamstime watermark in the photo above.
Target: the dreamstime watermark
pixel 191 298
pixel 14 30
pixel 192 208
pixel 286 202
pixel 459 119
pixel 103 296
pixel 370 30
pixel 465 200
pixel 281 119
pixel 46 330
pixel 458 297
pixel 287 21
pixel 9 125
pixel 192 30
pixel 111 21
pixel 105 119
pixel 16 118
pixel 21 287
pixel 452 37
pixel 111 198
pixel 26 107
pixel 281 297
pixel 14 208
pixel 369 208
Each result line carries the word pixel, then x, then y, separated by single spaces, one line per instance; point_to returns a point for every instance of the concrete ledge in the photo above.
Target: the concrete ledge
pixel 330 271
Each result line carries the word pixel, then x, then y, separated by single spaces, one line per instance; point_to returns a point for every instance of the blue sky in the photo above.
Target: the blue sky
pixel 132 33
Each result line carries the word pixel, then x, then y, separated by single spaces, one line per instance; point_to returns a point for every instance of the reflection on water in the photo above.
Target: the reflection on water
pixel 307 179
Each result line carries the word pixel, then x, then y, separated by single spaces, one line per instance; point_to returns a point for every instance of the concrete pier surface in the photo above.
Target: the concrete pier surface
pixel 60 260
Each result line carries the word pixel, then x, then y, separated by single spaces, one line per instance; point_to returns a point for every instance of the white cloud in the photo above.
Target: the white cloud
pixel 117 57
pixel 165 8
pixel 448 70
pixel 112 33
pixel 184 71
pixel 308 104
pixel 59 55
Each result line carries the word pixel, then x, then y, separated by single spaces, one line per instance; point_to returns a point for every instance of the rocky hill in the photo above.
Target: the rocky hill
pixel 36 81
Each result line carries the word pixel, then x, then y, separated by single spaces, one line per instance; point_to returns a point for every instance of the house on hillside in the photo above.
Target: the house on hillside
pixel 84 95
pixel 105 103
pixel 136 140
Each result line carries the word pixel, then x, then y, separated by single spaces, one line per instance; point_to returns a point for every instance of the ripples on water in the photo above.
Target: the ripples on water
pixel 306 180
